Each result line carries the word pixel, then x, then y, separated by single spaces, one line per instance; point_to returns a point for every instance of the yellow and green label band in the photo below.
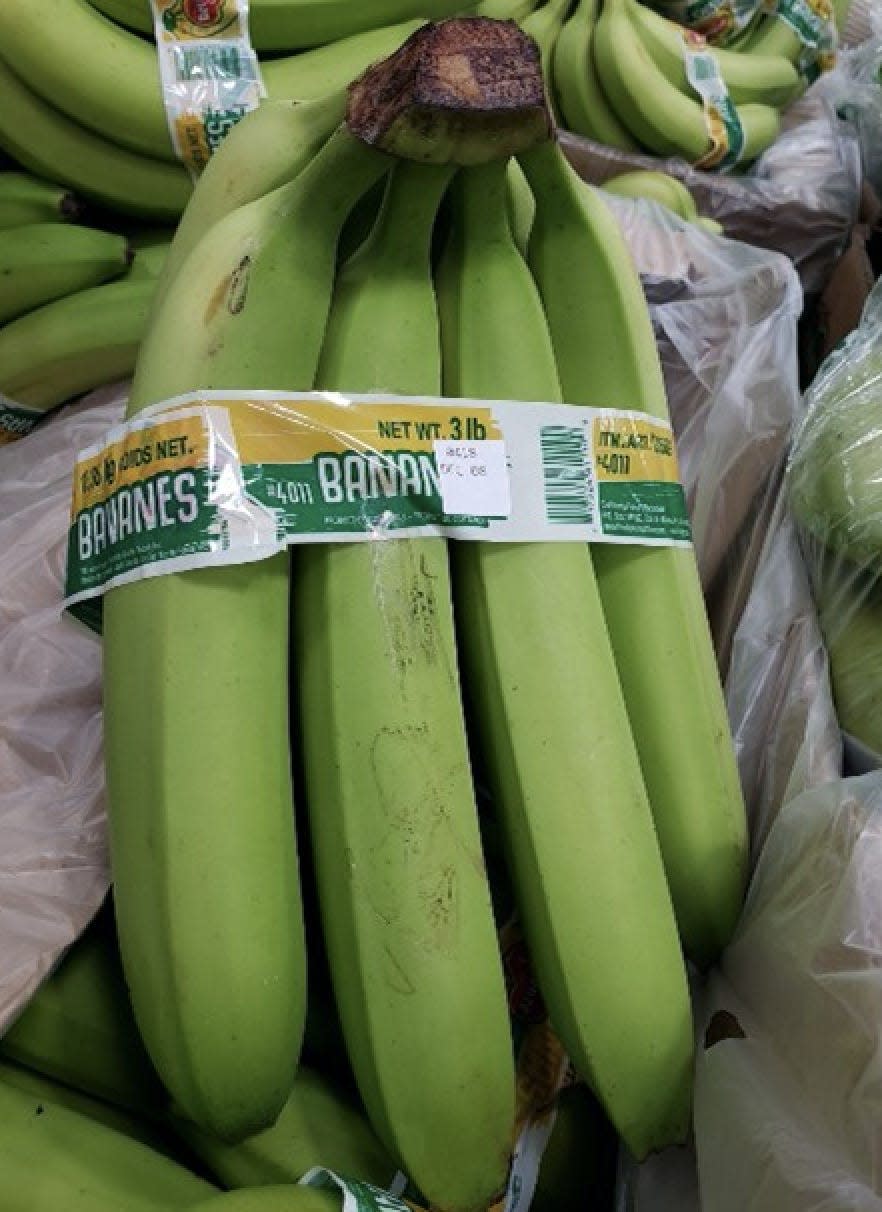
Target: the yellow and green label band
pixel 358 1196
pixel 220 478
pixel 209 73
pixel 15 420
pixel 721 117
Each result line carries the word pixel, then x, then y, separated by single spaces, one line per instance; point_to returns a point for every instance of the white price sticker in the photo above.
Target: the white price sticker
pixel 473 476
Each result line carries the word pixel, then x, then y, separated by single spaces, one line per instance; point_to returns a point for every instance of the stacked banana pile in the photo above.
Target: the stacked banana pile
pixel 73 298
pixel 587 676
pixel 80 94
pixel 315 253
pixel 81 100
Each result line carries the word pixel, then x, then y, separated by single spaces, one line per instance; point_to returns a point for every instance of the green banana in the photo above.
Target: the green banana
pixel 107 79
pixel 655 111
pixel 74 344
pixel 406 909
pixel 544 25
pixel 851 629
pixel 126 1122
pixel 27 199
pixel 52 1157
pixel 325 69
pixel 272 1199
pixel 46 142
pixel 755 78
pixel 318 1126
pixel 578 1166
pixel 288 25
pixel 658 186
pixel 40 262
pixel 580 97
pixel 774 36
pixel 553 731
pixel 201 823
pixel 78 1028
pixel 83 65
pixel 150 262
pixel 270 146
pixel 504 10
pixel 521 205
pixel 652 600
pixel 133 14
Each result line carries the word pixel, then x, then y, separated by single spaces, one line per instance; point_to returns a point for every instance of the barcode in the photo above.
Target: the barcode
pixel 703 68
pixel 213 63
pixel 569 481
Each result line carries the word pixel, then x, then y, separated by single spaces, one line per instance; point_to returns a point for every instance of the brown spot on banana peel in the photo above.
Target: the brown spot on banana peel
pixel 462 91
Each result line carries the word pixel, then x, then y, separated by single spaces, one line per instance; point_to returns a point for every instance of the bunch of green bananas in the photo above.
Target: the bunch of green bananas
pixel 588 676
pixel 80 94
pixel 664 189
pixel 618 74
pixel 73 298
pixel 76 1046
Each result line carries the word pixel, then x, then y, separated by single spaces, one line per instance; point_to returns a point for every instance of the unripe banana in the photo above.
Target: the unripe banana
pixel 756 78
pixel 658 114
pixel 136 1127
pixel 772 35
pixel 505 10
pixel 318 1126
pixel 553 731
pixel 272 1199
pixel 78 1027
pixel 27 199
pixel 133 14
pixel 521 205
pixel 202 840
pixel 74 344
pixel 86 67
pixel 288 25
pixel 544 25
pixel 651 596
pixel 107 79
pixel 326 69
pixel 270 146
pixel 149 262
pixel 406 909
pixel 48 143
pixel 40 262
pixel 660 187
pixel 53 1158
pixel 580 97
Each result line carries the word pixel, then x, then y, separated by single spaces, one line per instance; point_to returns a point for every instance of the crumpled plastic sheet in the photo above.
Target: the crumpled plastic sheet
pixel 855 88
pixel 787 1116
pixel 53 859
pixel 800 198
pixel 834 484
pixel 725 317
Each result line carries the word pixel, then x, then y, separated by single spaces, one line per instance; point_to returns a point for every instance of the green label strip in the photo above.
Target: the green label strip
pixel 16 421
pixel 218 478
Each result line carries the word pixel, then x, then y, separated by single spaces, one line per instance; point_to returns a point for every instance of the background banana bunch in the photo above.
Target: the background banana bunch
pixel 309 259
pixel 82 101
pixel 73 298
pixel 619 77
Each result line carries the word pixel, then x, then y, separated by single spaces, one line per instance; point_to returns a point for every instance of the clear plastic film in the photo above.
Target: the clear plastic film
pixel 800 197
pixel 53 861
pixel 855 88
pixel 787 1098
pixel 725 317
pixel 834 487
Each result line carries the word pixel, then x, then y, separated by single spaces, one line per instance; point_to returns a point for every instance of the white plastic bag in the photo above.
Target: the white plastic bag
pixel 787 1118
pixel 53 860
